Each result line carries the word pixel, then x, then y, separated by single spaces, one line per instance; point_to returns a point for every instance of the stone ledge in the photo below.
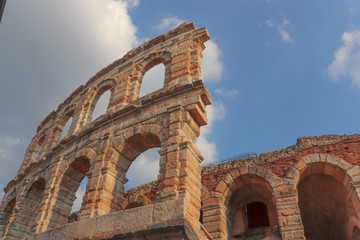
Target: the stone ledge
pixel 158 215
pixel 170 232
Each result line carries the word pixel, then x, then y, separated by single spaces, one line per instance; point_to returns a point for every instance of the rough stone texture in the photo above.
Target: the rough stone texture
pixel 165 233
pixel 311 189
pixel 285 176
pixel 151 216
pixel 40 197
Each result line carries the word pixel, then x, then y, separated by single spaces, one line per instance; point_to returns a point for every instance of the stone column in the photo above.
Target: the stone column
pixel 288 213
pixel 45 218
pixel 214 218
pixel 180 174
pixel 104 193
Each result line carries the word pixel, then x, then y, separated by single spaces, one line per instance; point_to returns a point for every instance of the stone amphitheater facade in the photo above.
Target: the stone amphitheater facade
pixel 307 191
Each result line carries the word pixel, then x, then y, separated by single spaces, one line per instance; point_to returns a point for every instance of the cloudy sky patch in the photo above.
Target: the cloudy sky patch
pixel 347 58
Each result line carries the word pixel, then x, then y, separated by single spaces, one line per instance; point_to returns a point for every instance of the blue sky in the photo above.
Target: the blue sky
pixel 277 70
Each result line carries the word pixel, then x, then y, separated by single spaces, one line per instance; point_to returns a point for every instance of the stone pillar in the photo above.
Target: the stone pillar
pixel 104 193
pixel 45 218
pixel 8 229
pixel 288 213
pixel 214 218
pixel 106 183
pixel 120 95
pixel 180 174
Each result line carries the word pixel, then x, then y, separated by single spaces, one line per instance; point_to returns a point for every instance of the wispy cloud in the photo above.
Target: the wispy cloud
pixel 284 28
pixel 226 92
pixel 169 23
pixel 347 58
pixel 270 22
pixel 284 31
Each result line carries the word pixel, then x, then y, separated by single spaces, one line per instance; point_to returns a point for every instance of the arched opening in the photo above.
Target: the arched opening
pixel 152 80
pixel 325 207
pixel 100 104
pixel 7 212
pixel 69 185
pixel 30 206
pixel 252 210
pixel 80 193
pixel 65 131
pixel 143 169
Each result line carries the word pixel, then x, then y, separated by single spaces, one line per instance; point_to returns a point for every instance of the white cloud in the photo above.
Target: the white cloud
pixel 57 53
pixel 212 66
pixel 226 92
pixel 132 3
pixel 285 32
pixel 169 23
pixel 48 49
pixel 347 58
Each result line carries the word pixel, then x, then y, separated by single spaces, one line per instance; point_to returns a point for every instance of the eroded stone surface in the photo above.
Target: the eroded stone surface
pixel 42 193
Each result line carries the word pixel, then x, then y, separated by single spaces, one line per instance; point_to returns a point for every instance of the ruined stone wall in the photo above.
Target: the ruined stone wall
pixel 314 186
pixel 42 193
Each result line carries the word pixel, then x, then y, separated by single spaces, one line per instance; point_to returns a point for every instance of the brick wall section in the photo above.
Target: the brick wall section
pixel 280 172
pixel 346 147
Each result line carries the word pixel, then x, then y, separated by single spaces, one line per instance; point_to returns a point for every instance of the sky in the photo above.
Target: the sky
pixel 277 70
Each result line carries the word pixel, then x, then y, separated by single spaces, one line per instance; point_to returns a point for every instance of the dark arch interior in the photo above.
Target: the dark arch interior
pixel 325 208
pixel 257 215
pixel 251 207
pixel 7 211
